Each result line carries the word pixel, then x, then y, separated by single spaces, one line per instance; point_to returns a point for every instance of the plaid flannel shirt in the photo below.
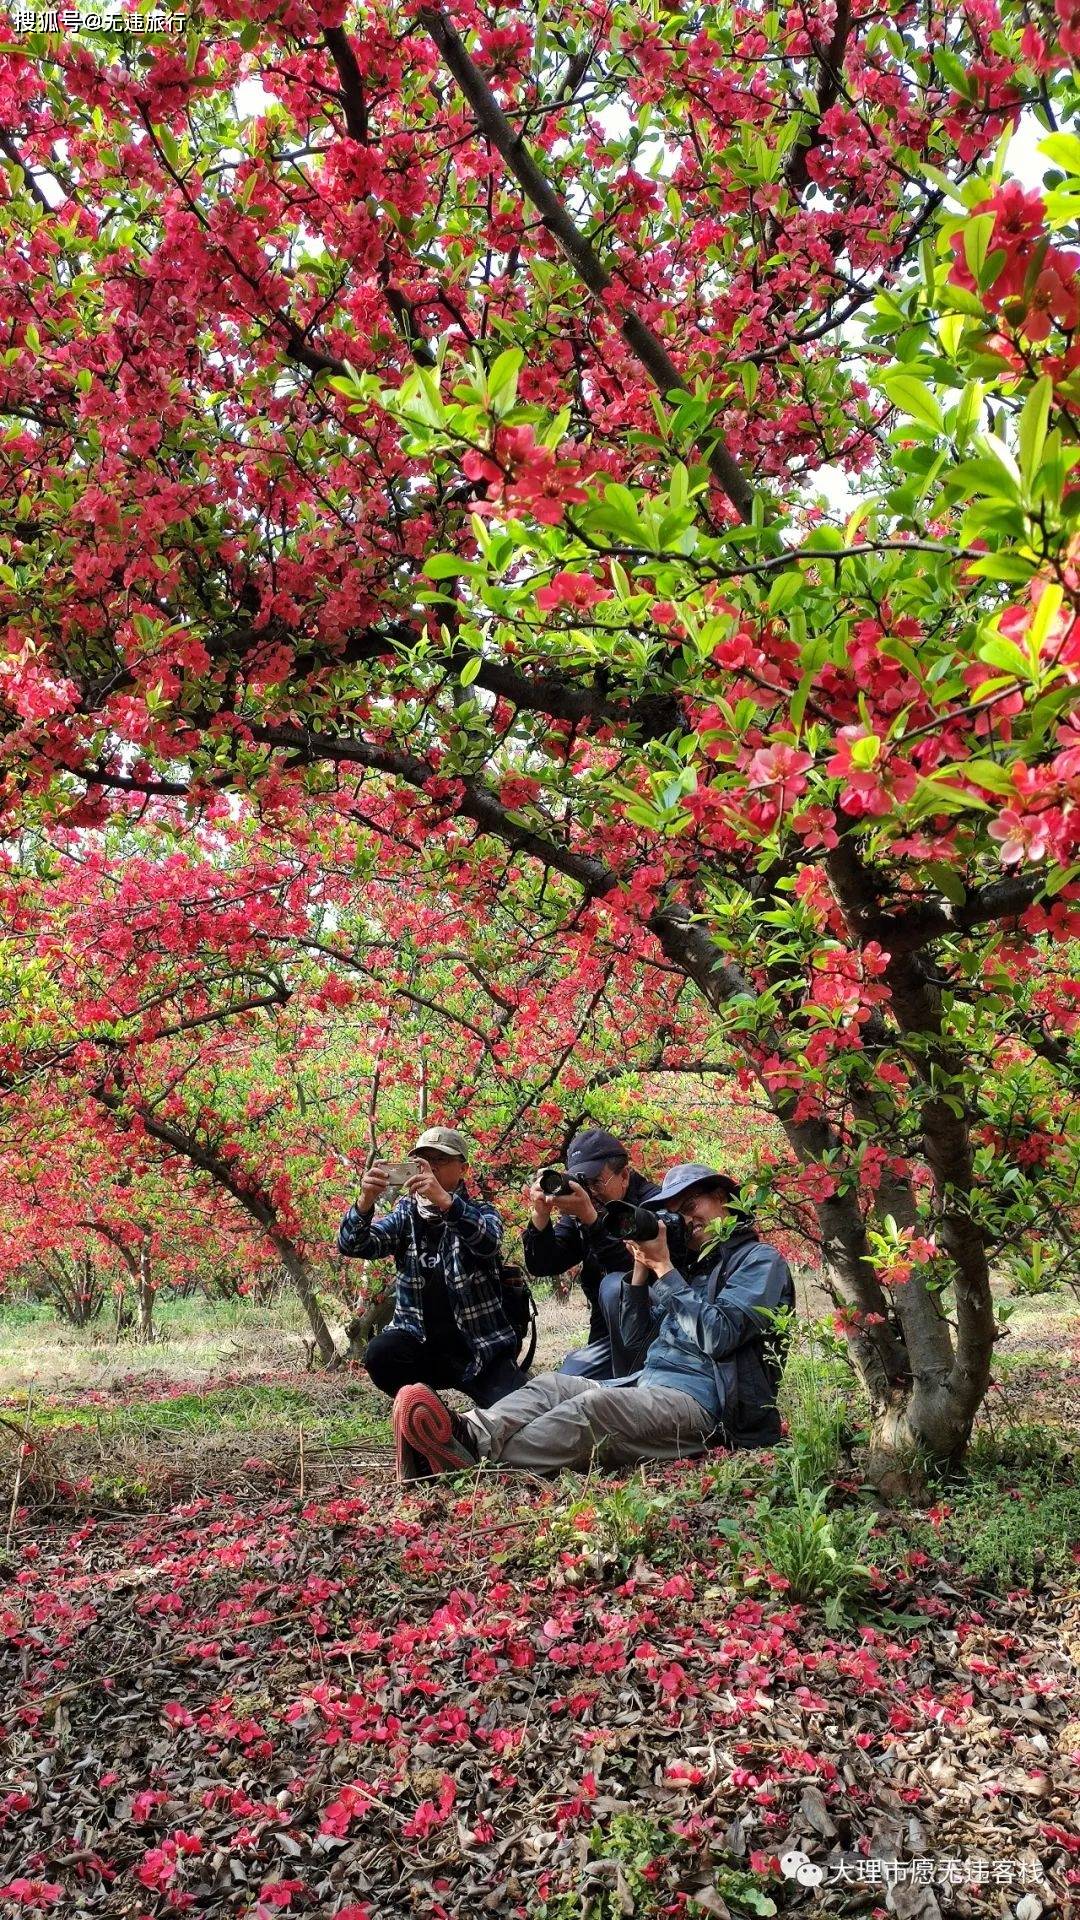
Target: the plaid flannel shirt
pixel 468 1253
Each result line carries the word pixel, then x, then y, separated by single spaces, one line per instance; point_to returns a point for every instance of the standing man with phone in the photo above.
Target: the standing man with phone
pixel 450 1327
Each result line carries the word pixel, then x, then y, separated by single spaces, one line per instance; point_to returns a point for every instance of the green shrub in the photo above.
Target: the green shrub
pixel 819 1551
pixel 817 1401
pixel 1006 1535
pixel 610 1528
pixel 1041 1269
pixel 1018 1448
pixel 635 1866
pixel 17 1314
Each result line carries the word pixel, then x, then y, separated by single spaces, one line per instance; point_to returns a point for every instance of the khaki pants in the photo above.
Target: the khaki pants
pixel 560 1420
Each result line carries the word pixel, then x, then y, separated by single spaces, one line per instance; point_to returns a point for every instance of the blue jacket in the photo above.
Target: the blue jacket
pixel 469 1255
pixel 712 1341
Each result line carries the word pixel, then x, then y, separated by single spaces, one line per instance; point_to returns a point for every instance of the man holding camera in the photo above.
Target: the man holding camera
pixel 598 1172
pixel 710 1376
pixel 450 1327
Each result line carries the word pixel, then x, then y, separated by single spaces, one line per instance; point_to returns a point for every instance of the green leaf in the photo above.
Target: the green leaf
pixel 953 70
pixel 866 751
pixel 968 407
pixel 977 233
pixel 987 774
pixel 642 814
pixel 786 589
pixel 1003 566
pixel 1042 620
pixel 913 397
pixel 470 670
pixel 1000 652
pixel 1031 433
pixel 933 796
pixel 442 566
pixel 950 884
pixel 951 332
pixel 503 378
pixel 996 446
pixel 1064 150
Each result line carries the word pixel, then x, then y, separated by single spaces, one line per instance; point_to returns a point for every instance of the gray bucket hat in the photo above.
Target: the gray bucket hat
pixel 691 1173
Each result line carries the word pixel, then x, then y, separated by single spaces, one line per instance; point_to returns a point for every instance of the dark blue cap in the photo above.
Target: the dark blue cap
pixel 589 1152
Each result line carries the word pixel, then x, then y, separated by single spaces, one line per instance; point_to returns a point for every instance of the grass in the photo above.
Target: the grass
pixel 121 1426
pixel 198 1339
pixel 1011 1518
pixel 818 1402
pixel 226 1385
pixel 634 1865
pixel 229 1409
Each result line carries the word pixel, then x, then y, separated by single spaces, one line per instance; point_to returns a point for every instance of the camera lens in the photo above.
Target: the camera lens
pixel 628 1222
pixel 552 1180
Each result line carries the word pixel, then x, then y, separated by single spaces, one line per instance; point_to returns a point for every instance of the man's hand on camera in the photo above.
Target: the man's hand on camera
pixel 653 1254
pixel 425 1186
pixel 539 1206
pixel 373 1186
pixel 577 1203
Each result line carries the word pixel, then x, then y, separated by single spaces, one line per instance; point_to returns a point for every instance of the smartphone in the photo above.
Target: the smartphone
pixel 399 1171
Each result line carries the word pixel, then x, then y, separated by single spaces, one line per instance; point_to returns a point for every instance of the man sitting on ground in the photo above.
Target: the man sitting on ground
pixel 599 1171
pixel 710 1376
pixel 450 1327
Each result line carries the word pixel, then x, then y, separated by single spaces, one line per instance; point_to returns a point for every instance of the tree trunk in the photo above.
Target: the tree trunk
pixel 297 1270
pixel 934 1417
pixel 144 1301
pixel 371 1318
pixel 254 1202
pixel 932 1424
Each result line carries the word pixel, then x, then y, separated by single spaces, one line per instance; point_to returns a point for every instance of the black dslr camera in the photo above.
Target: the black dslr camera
pixel 552 1180
pixel 628 1222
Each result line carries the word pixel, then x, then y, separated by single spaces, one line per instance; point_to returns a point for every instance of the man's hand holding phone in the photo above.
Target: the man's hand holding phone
pixel 373 1185
pixel 425 1185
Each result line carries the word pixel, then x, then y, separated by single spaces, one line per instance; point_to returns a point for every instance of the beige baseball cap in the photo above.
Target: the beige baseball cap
pixel 443 1140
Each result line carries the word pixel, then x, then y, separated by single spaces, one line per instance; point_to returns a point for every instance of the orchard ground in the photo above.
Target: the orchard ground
pixel 246 1677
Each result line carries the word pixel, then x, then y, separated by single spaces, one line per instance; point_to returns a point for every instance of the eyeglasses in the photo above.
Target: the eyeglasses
pixel 599 1183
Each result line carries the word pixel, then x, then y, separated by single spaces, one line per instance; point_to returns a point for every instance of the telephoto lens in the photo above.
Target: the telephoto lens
pixel 628 1222
pixel 553 1180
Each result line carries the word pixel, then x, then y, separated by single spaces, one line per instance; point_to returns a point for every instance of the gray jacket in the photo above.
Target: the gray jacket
pixel 712 1341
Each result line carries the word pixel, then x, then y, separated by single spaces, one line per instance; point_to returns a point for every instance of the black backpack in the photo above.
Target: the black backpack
pixel 520 1309
pixel 772 1352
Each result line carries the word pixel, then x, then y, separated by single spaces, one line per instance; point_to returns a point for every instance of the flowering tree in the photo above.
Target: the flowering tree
pixel 429 435
pixel 81 1221
pixel 208 1041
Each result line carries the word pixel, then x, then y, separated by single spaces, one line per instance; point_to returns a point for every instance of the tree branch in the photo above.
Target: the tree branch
pixel 639 336
pixel 797 173
pixel 7 145
pixel 354 104
pixel 905 930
